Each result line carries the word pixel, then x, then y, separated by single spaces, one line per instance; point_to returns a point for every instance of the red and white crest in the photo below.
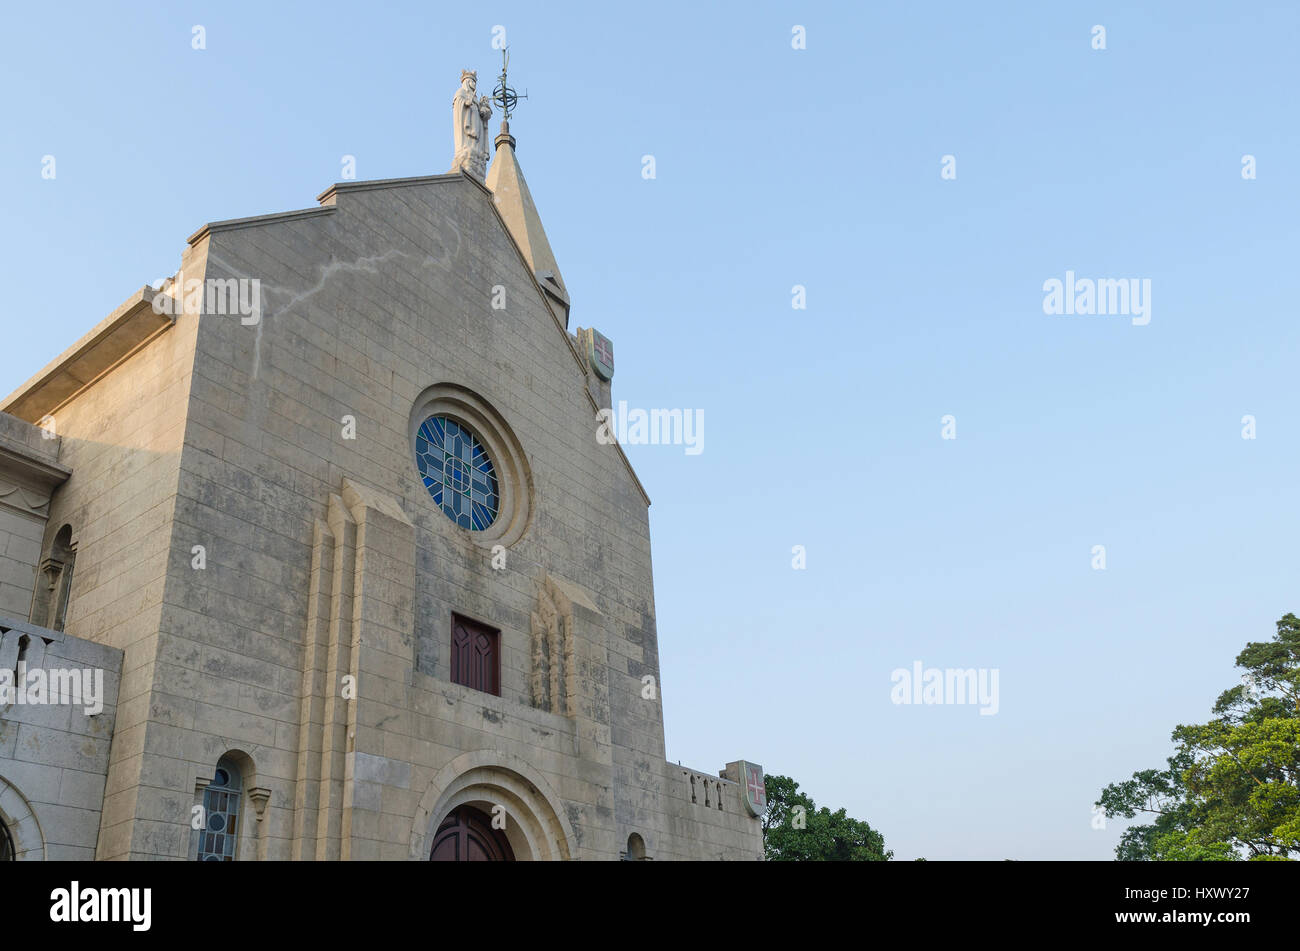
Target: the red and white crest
pixel 751 779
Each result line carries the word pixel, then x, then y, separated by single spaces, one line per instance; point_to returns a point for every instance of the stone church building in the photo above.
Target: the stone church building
pixel 327 515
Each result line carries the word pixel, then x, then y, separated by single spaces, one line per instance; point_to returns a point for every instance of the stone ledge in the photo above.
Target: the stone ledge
pixel 116 338
pixel 328 195
pixel 232 224
pixel 30 451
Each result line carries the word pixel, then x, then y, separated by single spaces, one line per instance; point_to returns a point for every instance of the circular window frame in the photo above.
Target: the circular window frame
pixel 514 478
pixel 453 485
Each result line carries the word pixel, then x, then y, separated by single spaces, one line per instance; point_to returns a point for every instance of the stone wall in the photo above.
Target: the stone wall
pixel 121 437
pixel 54 757
pixel 706 819
pixel 29 472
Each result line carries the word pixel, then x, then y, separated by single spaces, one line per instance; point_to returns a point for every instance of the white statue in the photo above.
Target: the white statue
pixel 470 127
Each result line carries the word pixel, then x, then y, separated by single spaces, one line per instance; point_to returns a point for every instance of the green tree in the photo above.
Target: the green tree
pixel 795 830
pixel 1232 788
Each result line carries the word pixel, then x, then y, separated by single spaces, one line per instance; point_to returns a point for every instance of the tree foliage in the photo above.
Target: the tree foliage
pixel 1232 788
pixel 795 830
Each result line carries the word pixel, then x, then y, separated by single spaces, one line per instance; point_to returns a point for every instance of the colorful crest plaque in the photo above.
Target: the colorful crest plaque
pixel 751 780
pixel 600 351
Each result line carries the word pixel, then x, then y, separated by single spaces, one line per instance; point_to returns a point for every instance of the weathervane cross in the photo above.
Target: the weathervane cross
pixel 504 95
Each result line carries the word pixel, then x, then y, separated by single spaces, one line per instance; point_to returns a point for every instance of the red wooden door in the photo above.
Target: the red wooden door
pixel 466 835
pixel 475 660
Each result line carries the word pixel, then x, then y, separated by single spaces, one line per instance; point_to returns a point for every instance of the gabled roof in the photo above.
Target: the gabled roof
pixel 135 323
pixel 549 285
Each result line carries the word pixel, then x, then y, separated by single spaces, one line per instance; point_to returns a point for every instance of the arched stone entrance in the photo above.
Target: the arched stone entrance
pixel 494 783
pixel 26 841
pixel 466 835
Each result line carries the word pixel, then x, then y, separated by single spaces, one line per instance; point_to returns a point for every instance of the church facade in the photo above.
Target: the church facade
pixel 329 512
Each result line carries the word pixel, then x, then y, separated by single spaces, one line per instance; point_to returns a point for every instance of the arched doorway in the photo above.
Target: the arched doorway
pixel 536 824
pixel 7 851
pixel 21 838
pixel 466 835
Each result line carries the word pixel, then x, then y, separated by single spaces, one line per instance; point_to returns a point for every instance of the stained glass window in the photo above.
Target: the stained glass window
pixel 457 472
pixel 220 815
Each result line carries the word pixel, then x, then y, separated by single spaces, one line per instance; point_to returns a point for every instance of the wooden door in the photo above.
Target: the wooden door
pixel 466 835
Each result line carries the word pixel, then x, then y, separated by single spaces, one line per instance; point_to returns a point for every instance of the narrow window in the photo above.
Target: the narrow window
pixel 54 582
pixel 475 655
pixel 220 814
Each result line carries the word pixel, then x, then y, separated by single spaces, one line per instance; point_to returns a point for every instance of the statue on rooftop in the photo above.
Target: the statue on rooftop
pixel 470 115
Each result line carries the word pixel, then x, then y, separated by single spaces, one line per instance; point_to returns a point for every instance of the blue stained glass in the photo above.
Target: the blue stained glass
pixel 216 840
pixel 457 471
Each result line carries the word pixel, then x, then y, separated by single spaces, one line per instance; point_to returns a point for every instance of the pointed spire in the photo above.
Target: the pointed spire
pixel 510 192
pixel 515 203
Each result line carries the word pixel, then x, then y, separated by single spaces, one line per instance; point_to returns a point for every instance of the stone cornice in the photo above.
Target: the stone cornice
pixel 22 462
pixel 26 627
pixel 116 338
pixel 233 224
pixel 328 195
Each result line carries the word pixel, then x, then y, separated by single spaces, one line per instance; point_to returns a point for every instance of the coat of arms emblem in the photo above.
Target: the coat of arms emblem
pixel 751 779
pixel 600 353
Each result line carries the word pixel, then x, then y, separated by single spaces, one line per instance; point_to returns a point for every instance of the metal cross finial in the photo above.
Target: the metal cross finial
pixel 503 95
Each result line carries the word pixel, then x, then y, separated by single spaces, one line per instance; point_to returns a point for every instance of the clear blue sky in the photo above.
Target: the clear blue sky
pixel 818 167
